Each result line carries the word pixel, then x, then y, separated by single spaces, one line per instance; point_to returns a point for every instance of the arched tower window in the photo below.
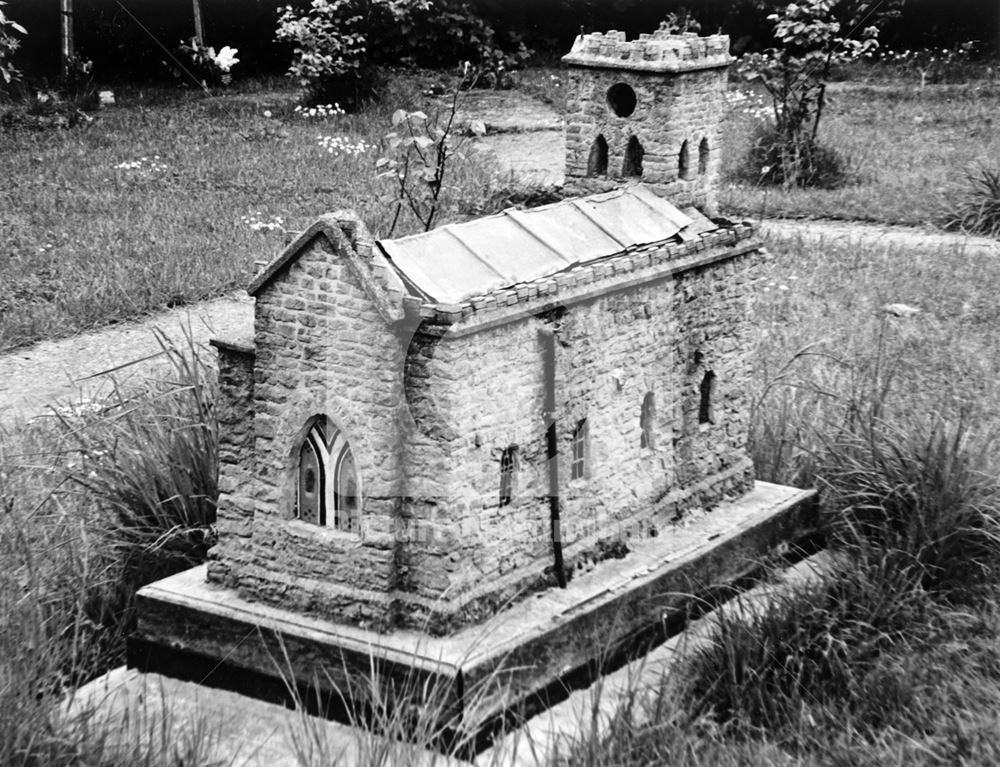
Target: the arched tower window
pixel 646 418
pixel 703 156
pixel 578 468
pixel 684 162
pixel 327 491
pixel 632 165
pixel 706 406
pixel 508 474
pixel 597 163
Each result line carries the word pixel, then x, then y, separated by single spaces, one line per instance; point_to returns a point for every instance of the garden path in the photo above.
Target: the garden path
pixel 526 136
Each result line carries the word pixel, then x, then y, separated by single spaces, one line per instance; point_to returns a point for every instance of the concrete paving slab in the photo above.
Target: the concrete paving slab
pixel 157 711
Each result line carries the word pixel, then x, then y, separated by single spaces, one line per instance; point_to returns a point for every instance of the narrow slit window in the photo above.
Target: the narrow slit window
pixel 597 163
pixel 508 475
pixel 646 418
pixel 684 162
pixel 578 468
pixel 703 156
pixel 632 165
pixel 706 406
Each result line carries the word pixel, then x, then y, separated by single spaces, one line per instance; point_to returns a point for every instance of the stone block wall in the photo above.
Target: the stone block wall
pixel 466 554
pixel 322 349
pixel 679 85
pixel 235 409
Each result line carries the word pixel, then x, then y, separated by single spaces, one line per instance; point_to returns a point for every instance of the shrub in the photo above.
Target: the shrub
pixel 977 208
pixel 204 64
pixel 769 161
pixel 339 44
pixel 8 45
pixel 811 41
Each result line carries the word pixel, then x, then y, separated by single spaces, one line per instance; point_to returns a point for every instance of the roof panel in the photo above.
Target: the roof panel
pixel 459 261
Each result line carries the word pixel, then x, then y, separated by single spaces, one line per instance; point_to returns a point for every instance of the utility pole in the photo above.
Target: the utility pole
pixel 199 22
pixel 66 26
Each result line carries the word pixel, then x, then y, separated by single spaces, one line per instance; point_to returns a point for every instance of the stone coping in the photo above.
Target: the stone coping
pixel 620 271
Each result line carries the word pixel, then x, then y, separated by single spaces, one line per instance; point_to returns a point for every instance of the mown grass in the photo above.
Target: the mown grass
pixel 907 152
pixel 84 242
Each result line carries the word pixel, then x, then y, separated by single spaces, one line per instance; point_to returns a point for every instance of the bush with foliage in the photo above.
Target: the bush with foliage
pixel 338 45
pixel 8 44
pixel 812 40
pixel 207 66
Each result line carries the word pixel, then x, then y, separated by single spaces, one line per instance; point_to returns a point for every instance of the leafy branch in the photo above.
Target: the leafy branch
pixel 416 159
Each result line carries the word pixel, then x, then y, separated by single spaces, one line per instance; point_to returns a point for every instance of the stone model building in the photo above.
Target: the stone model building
pixel 423 429
pixel 648 109
pixel 387 433
pixel 470 461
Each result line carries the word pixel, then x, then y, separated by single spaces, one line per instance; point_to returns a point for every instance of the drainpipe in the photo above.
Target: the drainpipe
pixel 548 339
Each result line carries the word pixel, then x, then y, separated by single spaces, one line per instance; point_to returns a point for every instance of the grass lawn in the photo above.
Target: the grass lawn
pixel 907 151
pixel 154 203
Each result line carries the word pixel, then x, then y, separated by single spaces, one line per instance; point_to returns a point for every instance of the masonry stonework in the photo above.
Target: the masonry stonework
pixel 425 365
pixel 673 88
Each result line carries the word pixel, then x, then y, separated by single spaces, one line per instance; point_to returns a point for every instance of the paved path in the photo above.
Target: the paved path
pixel 526 136
pixel 71 370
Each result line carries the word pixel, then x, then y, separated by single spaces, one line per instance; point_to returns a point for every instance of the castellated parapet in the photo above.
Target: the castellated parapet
pixel 647 109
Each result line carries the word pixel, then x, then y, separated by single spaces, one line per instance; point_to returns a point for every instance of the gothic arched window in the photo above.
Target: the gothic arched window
pixel 597 163
pixel 632 164
pixel 327 491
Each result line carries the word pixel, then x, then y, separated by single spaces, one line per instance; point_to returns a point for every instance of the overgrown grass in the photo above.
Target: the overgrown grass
pixel 890 659
pixel 85 242
pixel 975 207
pixel 906 149
pixel 96 502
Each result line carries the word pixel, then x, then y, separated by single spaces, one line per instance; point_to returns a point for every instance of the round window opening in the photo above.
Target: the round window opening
pixel 621 99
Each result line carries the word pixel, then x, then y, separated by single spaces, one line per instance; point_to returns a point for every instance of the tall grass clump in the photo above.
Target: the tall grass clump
pixel 925 490
pixel 976 208
pixel 95 502
pixel 150 461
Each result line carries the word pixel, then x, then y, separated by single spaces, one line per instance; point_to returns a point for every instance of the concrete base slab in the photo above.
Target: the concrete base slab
pixel 191 630
pixel 202 726
pixel 589 713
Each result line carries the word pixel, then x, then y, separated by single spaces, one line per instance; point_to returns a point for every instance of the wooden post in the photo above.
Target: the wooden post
pixel 199 22
pixel 66 26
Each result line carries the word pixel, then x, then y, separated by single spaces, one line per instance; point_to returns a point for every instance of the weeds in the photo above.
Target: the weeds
pixel 977 207
pixel 151 460
pixel 71 567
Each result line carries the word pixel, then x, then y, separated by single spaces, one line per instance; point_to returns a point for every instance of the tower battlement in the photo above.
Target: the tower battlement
pixel 660 51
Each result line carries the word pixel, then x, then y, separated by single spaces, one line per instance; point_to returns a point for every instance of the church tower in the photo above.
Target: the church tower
pixel 647 109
